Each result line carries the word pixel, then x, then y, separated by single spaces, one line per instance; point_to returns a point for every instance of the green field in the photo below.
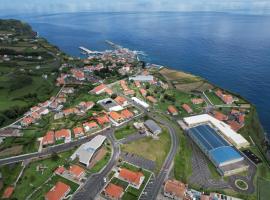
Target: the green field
pixel 31 178
pixel 155 150
pixel 101 163
pixel 263 189
pixel 214 98
pixel 124 132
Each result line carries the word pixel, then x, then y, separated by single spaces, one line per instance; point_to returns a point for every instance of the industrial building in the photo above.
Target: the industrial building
pixel 226 158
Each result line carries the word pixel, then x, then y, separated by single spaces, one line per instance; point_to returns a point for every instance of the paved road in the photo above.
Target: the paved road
pixel 95 182
pixel 152 195
pixel 50 150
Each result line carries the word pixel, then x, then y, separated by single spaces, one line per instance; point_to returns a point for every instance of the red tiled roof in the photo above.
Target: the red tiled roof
pixel 8 192
pixel 241 119
pixel 78 131
pixel 130 176
pixel 172 109
pixel 59 191
pixel 63 133
pixel 120 100
pixel 99 88
pixel 103 119
pixel 176 188
pixel 126 114
pixel 137 84
pixel 151 99
pixel 235 125
pixel 197 101
pixel 48 138
pixel 143 92
pixel 129 92
pixel 76 171
pixel 114 191
pixel 220 116
pixel 27 120
pixel 187 108
pixel 116 116
pixel 108 91
pixel 90 124
pixel 60 170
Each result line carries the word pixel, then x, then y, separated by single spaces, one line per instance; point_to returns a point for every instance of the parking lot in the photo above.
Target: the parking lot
pixel 138 161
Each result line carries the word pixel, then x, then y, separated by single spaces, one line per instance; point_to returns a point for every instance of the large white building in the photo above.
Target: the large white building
pixel 140 102
pixel 230 135
pixel 86 151
pixel 142 78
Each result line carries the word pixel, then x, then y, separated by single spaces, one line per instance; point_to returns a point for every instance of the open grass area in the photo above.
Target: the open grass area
pixel 31 179
pixel 101 163
pixel 214 98
pixel 124 132
pixel 155 150
pixel 39 195
pixel 9 174
pixel 263 192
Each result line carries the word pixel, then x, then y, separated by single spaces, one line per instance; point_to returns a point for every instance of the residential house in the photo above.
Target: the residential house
pixel 151 99
pixel 122 101
pixel 220 116
pixel 116 116
pixel 88 126
pixel 137 84
pixel 135 179
pixel 175 190
pixel 63 134
pixel 143 92
pixel 197 101
pixel 78 132
pixel 76 172
pixel 99 89
pixel 226 98
pixel 127 114
pixel 113 191
pixel 58 192
pixel 48 139
pixel 60 170
pixel 102 120
pixel 27 121
pixel 8 192
pixel 187 108
pixel 172 110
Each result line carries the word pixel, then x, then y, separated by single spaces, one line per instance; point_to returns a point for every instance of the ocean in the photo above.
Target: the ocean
pixel 230 50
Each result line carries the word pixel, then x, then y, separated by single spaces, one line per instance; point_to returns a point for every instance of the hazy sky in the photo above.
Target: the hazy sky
pixel 9 7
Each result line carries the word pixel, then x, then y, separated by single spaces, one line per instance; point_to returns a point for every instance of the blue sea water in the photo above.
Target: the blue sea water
pixel 230 50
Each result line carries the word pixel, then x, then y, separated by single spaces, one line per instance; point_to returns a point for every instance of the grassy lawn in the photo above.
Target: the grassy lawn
pixel 9 173
pixel 39 195
pixel 214 98
pixel 101 163
pixel 263 192
pixel 124 132
pixel 155 150
pixel 214 174
pixel 119 182
pixel 32 178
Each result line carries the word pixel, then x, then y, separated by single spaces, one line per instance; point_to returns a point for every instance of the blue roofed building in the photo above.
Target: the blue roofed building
pixel 224 156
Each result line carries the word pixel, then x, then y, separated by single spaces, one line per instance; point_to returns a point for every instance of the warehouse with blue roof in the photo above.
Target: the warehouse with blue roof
pixel 224 156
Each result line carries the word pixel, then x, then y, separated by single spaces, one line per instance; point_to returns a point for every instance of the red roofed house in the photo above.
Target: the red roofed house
pixel 129 92
pixel 172 110
pixel 108 91
pixel 27 121
pixel 143 92
pixel 79 75
pixel 226 98
pixel 60 170
pixel 241 118
pixel 151 99
pixel 68 111
pixel 235 125
pixel 187 108
pixel 127 114
pixel 86 105
pixel 76 172
pixel 35 115
pixel 8 192
pixel 116 116
pixel 90 126
pixel 101 120
pixel 63 134
pixel 197 101
pixel 220 116
pixel 175 189
pixel 78 132
pixel 124 85
pixel 58 192
pixel 113 191
pixel 133 178
pixel 48 139
pixel 137 84
pixel 99 89
pixel 122 101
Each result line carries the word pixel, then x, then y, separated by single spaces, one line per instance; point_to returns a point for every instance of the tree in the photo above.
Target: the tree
pixel 114 96
pixel 54 156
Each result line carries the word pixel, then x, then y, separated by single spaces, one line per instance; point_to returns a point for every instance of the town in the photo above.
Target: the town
pixel 119 128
